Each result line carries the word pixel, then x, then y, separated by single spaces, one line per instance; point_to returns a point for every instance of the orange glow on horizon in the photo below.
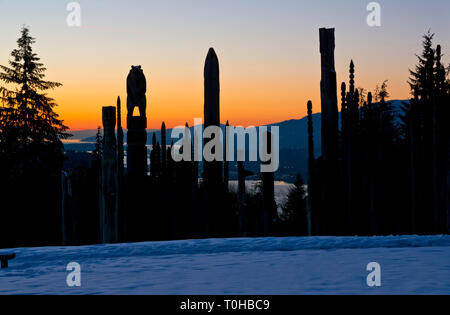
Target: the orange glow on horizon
pixel 262 103
pixel 268 53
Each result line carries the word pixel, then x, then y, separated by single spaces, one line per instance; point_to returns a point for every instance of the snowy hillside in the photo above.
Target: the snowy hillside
pixel 326 265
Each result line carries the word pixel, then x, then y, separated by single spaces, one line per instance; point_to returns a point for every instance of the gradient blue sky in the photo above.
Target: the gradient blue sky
pixel 268 51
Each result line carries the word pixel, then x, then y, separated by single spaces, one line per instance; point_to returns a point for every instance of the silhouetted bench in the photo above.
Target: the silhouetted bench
pixel 5 258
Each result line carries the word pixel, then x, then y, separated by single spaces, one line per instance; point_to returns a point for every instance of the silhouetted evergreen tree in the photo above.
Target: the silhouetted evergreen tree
pixel 294 217
pixel 31 130
pixel 381 92
pixel 421 79
pixel 31 154
pixel 362 96
pixel 425 129
pixel 97 153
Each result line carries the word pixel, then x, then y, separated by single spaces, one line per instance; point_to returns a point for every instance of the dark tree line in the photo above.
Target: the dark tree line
pixel 389 176
pixel 426 133
pixel 393 173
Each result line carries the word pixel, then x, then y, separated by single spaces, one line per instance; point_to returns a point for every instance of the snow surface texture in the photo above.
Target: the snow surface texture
pixel 317 265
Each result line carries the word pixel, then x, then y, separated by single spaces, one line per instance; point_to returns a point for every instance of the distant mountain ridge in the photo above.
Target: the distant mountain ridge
pixel 293 133
pixel 293 145
pixel 289 133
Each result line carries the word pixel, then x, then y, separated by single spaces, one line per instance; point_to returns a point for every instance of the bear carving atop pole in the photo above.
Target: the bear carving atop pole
pixel 136 169
pixel 136 125
pixel 136 89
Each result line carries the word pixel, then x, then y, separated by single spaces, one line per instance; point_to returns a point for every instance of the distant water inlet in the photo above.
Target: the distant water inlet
pixel 212 144
pixel 281 190
pixel 76 141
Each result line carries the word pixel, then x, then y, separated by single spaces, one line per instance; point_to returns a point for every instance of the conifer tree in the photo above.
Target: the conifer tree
pixel 383 93
pixel 97 153
pixel 421 79
pixel 30 129
pixel 422 82
pixel 294 210
pixel 426 131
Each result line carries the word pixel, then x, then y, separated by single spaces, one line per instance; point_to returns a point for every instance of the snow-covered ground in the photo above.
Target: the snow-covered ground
pixel 326 265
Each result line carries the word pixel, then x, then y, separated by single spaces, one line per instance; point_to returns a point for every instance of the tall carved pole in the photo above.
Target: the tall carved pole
pixel 268 187
pixel 137 125
pixel 311 159
pixel 120 137
pixel 328 91
pixel 226 164
pixel 120 171
pixel 155 160
pixel 212 170
pixel 372 161
pixel 412 123
pixel 196 228
pixel 108 211
pixel 137 169
pixel 345 119
pixel 163 150
pixel 330 134
pixel 242 217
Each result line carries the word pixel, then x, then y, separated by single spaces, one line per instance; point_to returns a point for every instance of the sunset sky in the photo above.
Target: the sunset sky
pixel 268 52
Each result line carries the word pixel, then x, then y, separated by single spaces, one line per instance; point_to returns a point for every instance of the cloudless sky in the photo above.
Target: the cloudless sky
pixel 268 52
